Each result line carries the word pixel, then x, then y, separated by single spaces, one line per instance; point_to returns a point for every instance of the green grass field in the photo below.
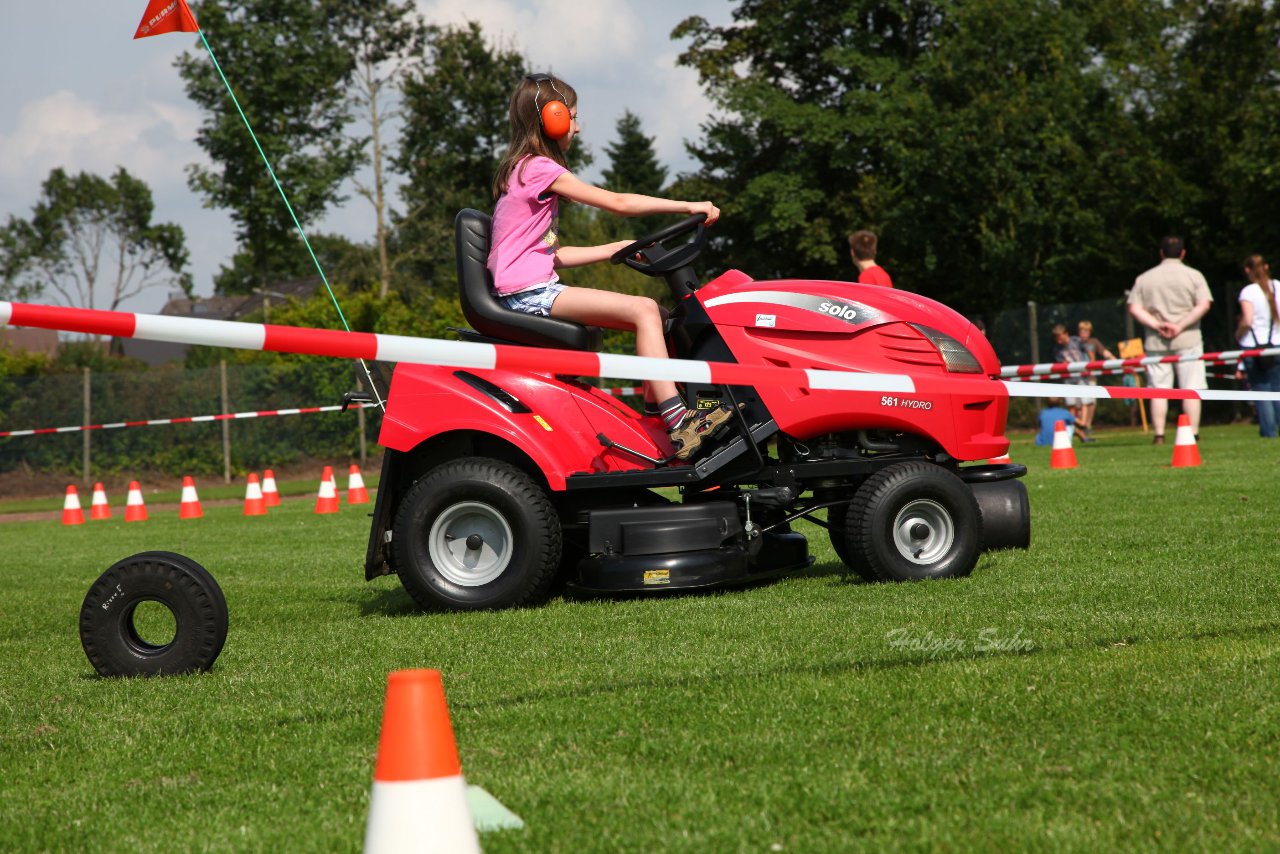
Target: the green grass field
pixel 1113 688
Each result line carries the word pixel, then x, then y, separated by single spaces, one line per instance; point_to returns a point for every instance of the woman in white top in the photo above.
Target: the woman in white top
pixel 1259 326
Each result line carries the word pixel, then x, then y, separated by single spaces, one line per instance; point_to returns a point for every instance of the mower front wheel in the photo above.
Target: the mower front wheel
pixel 914 521
pixel 476 533
pixel 838 528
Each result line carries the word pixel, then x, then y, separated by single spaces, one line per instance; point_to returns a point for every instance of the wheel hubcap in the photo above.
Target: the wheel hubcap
pixel 470 543
pixel 923 531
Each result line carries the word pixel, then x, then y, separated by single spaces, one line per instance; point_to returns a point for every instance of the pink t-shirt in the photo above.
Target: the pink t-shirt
pixel 525 225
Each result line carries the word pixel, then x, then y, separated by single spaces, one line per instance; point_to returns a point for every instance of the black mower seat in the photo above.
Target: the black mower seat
pixel 492 319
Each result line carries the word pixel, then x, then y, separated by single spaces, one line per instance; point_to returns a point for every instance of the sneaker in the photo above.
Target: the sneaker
pixel 1158 440
pixel 697 425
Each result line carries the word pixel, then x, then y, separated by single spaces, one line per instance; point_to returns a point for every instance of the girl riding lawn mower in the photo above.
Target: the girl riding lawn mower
pixel 496 482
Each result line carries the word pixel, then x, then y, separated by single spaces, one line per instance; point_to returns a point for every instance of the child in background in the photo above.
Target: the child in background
pixel 1049 416
pixel 525 249
pixel 1094 351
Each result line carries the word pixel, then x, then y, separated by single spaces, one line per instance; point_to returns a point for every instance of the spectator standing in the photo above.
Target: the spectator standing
pixel 1094 351
pixel 1069 348
pixel 862 247
pixel 1258 327
pixel 1169 299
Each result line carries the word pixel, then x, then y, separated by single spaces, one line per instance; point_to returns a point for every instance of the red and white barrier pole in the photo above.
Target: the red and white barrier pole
pixel 465 354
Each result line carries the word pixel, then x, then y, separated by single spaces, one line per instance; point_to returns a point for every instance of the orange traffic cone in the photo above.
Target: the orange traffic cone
pixel 356 493
pixel 135 510
pixel 190 507
pixel 1003 458
pixel 99 509
pixel 1186 454
pixel 269 491
pixel 254 503
pixel 71 512
pixel 1063 456
pixel 327 499
pixel 419 799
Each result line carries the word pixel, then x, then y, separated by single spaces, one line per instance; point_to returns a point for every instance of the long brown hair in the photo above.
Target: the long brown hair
pixel 1255 266
pixel 527 137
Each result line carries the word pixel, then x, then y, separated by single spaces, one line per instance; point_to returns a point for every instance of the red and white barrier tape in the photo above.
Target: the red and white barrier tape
pixel 190 419
pixel 465 354
pixel 1045 368
pixel 1073 374
pixel 1218 375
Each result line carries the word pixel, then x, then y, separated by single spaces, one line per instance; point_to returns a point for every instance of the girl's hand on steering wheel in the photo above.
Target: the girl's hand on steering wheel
pixel 712 212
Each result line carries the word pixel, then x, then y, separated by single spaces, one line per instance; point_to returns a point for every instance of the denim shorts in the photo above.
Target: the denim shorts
pixel 535 300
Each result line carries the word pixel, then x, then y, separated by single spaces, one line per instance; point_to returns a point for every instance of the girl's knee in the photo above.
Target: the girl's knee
pixel 648 310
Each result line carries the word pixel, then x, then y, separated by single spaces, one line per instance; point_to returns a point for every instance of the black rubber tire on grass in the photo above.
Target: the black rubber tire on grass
pixel 108 632
pixel 886 494
pixel 503 492
pixel 215 590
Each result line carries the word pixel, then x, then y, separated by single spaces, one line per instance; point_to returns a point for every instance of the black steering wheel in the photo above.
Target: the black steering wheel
pixel 647 255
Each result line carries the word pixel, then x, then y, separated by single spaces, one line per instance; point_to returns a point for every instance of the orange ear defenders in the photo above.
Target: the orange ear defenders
pixel 554 114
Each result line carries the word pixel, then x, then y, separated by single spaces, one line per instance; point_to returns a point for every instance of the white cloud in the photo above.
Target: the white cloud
pixel 551 34
pixel 151 140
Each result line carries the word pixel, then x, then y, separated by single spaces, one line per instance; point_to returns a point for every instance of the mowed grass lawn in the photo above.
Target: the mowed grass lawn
pixel 1115 687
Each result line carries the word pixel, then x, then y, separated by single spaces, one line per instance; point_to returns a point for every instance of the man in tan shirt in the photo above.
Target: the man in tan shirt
pixel 1169 299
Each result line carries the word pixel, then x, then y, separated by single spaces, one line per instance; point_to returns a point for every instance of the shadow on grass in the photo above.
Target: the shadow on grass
pixel 394 602
pixel 397 603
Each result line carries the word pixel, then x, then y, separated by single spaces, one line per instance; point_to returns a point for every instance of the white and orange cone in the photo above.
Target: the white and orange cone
pixel 356 493
pixel 269 491
pixel 254 502
pixel 99 509
pixel 419 798
pixel 71 512
pixel 1003 458
pixel 1063 456
pixel 190 507
pixel 135 509
pixel 1186 453
pixel 327 499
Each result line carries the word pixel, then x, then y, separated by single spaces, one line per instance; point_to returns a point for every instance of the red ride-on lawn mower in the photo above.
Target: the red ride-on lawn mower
pixel 495 482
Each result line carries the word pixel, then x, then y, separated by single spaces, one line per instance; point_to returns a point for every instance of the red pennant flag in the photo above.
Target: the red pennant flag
pixel 166 16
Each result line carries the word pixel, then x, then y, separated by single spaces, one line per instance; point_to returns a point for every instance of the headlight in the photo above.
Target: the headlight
pixel 954 354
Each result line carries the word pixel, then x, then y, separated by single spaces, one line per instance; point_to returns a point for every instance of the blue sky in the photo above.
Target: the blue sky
pixel 80 93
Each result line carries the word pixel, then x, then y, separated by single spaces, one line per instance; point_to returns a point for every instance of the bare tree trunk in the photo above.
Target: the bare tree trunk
pixel 226 425
pixel 364 442
pixel 88 414
pixel 379 194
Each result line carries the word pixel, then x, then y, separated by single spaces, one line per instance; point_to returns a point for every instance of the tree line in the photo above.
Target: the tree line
pixel 1004 150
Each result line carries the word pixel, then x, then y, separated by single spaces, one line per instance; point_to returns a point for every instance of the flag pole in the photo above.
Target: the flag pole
pixel 289 207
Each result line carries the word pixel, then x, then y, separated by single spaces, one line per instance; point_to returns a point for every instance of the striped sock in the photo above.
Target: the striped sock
pixel 672 410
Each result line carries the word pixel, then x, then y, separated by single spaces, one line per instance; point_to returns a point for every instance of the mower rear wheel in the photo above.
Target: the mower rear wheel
pixel 914 521
pixel 476 533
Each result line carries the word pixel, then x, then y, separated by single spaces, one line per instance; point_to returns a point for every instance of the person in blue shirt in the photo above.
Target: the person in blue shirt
pixel 1049 416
